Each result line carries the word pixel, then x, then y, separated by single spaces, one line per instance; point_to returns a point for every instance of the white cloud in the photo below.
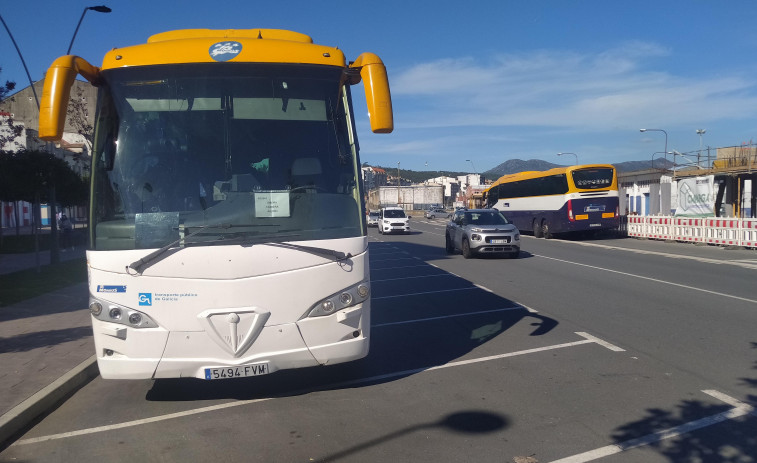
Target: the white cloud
pixel 612 88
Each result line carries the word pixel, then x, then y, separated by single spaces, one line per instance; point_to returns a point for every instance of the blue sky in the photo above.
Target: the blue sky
pixel 484 81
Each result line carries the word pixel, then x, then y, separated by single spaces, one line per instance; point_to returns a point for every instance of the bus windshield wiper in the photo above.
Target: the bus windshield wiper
pixel 139 265
pixel 323 252
pixel 251 239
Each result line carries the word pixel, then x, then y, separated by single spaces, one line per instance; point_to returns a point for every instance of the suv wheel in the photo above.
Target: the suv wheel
pixel 466 249
pixel 448 245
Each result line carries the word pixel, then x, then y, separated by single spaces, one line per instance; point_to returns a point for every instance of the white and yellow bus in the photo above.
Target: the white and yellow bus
pixel 580 198
pixel 227 228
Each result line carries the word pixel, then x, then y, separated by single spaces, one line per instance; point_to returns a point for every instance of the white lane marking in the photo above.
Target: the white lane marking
pixel 418 276
pixel 451 273
pixel 155 419
pixel 392 259
pixel 732 401
pixel 443 317
pixel 484 288
pixel 750 264
pixel 526 307
pixel 425 292
pixel 400 266
pixel 650 279
pixel 740 409
pixel 128 424
pixel 606 344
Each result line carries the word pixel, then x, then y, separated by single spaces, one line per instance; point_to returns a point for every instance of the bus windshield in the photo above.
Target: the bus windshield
pixel 265 149
pixel 593 179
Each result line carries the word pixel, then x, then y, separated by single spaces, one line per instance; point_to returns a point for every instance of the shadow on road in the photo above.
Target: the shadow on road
pixel 422 317
pixel 729 441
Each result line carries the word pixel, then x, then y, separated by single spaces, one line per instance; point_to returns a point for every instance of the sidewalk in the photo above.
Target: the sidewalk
pixel 46 348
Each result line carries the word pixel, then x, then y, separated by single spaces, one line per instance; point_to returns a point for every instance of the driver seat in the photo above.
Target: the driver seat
pixel 305 173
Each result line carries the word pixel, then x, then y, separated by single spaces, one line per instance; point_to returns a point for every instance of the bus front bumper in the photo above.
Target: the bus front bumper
pixel 128 353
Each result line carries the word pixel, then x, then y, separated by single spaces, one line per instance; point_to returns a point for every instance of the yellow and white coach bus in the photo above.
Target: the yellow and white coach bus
pixel 227 226
pixel 580 198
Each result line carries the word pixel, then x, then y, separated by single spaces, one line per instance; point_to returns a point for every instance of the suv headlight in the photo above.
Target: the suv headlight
pixel 351 296
pixel 115 313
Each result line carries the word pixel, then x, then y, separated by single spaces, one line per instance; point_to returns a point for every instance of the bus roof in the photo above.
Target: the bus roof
pixel 544 173
pixel 236 45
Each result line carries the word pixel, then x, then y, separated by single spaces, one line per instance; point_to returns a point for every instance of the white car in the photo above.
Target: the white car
pixel 373 218
pixel 393 219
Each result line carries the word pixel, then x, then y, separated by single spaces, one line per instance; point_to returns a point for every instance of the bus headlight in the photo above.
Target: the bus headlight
pixel 96 308
pixel 362 290
pixel 121 315
pixel 135 318
pixel 349 297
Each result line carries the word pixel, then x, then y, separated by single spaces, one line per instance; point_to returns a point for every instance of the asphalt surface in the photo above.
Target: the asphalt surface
pixel 46 348
pixel 617 349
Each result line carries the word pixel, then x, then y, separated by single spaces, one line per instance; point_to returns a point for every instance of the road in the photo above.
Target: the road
pixel 612 350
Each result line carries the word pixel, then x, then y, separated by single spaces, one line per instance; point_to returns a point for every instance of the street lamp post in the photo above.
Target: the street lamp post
pixel 99 9
pixel 700 132
pixel 28 76
pixel 399 182
pixel 660 152
pixel 666 143
pixel 574 154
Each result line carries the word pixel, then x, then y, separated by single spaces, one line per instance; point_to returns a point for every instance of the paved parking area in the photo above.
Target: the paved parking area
pixel 458 371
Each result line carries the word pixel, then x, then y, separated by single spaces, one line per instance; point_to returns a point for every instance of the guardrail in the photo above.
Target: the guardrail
pixel 710 230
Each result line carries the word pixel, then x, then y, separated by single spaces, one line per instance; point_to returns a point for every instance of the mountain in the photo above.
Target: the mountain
pixel 514 166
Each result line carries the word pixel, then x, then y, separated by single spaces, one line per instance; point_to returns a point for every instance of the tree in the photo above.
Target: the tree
pixel 9 130
pixel 39 177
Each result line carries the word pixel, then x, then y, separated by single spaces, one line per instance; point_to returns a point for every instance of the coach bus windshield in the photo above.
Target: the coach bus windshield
pixel 265 150
pixel 593 179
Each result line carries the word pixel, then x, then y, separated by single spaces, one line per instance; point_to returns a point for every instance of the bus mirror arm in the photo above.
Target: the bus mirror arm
pixel 57 91
pixel 377 94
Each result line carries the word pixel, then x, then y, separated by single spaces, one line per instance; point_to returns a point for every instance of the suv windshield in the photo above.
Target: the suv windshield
pixel 485 218
pixel 394 213
pixel 264 148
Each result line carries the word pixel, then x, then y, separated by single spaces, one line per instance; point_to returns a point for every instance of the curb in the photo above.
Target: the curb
pixel 44 401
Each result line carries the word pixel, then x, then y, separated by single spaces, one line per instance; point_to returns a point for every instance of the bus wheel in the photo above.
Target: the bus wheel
pixel 466 249
pixel 448 245
pixel 545 230
pixel 538 231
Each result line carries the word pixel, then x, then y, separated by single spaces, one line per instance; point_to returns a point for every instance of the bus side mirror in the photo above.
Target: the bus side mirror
pixel 57 91
pixel 377 94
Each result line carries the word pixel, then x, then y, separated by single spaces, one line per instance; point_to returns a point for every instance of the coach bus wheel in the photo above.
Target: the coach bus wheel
pixel 545 230
pixel 448 244
pixel 466 249
pixel 538 231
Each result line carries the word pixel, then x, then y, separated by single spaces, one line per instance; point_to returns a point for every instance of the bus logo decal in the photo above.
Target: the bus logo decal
pixel 234 330
pixel 111 288
pixel 224 51
pixel 145 298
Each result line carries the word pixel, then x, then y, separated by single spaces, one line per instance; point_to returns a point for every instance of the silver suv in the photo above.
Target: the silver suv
pixel 482 231
pixel 435 212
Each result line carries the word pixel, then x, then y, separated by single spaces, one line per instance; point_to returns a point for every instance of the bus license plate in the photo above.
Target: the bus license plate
pixel 241 371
